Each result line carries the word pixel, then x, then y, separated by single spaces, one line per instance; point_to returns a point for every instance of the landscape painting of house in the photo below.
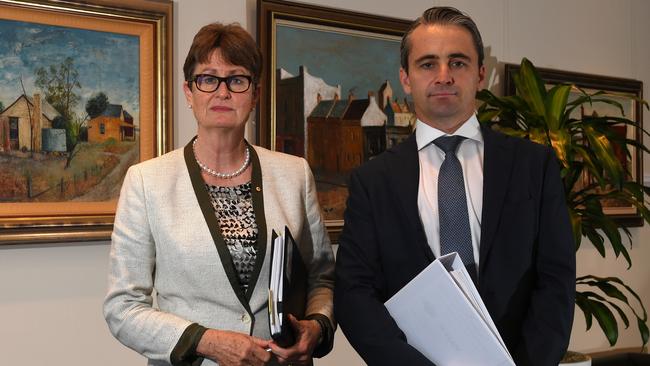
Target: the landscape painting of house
pixel 69 112
pixel 114 123
pixel 336 104
pixel 21 130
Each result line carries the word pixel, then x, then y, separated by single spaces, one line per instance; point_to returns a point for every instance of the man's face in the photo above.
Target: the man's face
pixel 443 75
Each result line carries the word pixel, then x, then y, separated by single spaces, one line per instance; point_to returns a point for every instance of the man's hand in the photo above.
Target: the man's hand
pixel 308 333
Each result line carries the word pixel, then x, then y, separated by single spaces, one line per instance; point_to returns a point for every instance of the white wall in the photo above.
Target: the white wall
pixel 50 295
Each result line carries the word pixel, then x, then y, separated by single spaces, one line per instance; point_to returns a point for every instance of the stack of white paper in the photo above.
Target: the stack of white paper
pixel 443 317
pixel 276 285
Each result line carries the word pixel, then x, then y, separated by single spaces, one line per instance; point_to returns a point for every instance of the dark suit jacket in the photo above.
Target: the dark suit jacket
pixel 527 253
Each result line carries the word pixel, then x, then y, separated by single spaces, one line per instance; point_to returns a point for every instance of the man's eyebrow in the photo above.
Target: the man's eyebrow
pixel 460 55
pixel 427 57
pixel 436 57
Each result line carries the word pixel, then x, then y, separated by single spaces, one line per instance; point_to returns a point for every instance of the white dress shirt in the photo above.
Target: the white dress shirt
pixel 470 155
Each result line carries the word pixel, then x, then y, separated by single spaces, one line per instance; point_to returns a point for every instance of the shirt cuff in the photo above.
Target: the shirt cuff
pixel 184 353
pixel 327 335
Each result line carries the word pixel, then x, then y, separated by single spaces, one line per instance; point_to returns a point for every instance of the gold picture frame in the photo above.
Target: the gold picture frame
pixel 149 24
pixel 359 52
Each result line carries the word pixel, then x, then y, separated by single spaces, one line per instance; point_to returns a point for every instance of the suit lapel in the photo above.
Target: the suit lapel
pixel 404 162
pixel 497 164
pixel 211 220
pixel 260 218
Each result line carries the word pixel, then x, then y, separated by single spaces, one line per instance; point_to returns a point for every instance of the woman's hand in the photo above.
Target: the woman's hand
pixel 308 333
pixel 233 349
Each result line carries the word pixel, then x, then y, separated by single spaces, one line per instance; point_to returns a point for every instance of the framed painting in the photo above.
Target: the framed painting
pixel 619 89
pixel 330 92
pixel 85 92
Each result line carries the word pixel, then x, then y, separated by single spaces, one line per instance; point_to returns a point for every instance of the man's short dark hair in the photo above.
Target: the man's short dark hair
pixel 442 15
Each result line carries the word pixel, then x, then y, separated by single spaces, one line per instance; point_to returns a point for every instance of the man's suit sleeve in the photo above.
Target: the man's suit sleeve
pixel 547 327
pixel 360 289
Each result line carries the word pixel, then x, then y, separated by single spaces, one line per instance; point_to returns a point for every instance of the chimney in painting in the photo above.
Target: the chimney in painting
pixel 37 124
pixel 385 95
pixel 4 133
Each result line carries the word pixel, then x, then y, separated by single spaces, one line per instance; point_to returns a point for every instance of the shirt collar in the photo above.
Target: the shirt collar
pixel 425 134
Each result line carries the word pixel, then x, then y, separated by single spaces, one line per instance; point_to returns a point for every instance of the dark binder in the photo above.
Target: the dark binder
pixel 287 287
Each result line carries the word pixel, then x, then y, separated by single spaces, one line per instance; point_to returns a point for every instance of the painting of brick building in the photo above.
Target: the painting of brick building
pixel 114 123
pixel 334 102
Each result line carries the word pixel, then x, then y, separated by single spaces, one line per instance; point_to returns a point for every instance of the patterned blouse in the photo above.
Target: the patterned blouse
pixel 233 207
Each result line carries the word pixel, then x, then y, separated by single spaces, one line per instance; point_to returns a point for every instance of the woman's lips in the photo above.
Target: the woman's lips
pixel 220 109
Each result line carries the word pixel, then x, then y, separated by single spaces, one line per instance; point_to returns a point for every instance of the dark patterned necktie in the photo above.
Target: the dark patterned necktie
pixel 455 234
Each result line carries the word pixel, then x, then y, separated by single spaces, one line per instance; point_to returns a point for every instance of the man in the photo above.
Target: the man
pixel 519 247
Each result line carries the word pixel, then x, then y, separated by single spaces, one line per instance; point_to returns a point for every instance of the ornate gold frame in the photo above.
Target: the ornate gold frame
pixel 152 22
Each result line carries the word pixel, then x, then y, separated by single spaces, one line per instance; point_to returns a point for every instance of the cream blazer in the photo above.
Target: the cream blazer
pixel 162 241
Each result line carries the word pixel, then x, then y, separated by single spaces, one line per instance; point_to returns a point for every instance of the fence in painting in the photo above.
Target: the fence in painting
pixel 29 188
pixel 64 188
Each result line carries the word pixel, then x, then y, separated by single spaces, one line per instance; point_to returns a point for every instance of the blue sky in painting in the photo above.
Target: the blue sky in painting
pixel 107 62
pixel 353 61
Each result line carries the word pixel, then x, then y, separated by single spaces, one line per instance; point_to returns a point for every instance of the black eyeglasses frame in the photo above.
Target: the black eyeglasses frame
pixel 226 79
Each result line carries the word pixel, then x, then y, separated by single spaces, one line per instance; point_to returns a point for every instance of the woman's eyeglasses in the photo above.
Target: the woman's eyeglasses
pixel 235 83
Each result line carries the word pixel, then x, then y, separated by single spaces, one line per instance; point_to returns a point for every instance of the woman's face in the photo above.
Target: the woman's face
pixel 221 108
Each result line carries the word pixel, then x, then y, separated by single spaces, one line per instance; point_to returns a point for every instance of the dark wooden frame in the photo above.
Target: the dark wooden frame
pixel 268 11
pixel 156 14
pixel 595 82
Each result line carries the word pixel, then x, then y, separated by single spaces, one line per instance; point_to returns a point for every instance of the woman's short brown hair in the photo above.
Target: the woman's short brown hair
pixel 235 43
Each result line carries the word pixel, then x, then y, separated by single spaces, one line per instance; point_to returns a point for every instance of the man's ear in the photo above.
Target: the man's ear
pixel 404 80
pixel 481 77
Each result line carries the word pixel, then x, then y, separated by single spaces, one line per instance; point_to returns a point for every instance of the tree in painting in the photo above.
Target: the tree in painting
pixel 59 84
pixel 96 105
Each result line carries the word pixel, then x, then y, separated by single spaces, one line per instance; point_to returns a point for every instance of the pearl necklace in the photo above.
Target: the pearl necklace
pixel 217 174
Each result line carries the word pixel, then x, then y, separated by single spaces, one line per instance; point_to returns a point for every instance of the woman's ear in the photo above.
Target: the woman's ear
pixel 188 93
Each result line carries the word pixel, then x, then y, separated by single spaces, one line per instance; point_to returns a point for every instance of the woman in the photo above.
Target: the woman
pixel 217 191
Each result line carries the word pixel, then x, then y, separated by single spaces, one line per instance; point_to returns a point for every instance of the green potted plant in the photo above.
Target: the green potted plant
pixel 585 146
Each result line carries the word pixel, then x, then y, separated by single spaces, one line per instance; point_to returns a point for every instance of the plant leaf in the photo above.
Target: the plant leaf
pixel 643 329
pixel 603 150
pixel 617 280
pixel 583 304
pixel 556 104
pixel 576 224
pixel 606 320
pixel 531 87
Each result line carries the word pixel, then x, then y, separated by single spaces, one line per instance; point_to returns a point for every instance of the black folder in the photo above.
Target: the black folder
pixel 287 287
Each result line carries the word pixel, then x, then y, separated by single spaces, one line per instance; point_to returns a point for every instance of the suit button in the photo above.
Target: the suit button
pixel 245 318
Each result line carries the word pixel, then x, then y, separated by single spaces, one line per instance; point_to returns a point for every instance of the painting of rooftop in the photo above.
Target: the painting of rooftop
pixel 338 102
